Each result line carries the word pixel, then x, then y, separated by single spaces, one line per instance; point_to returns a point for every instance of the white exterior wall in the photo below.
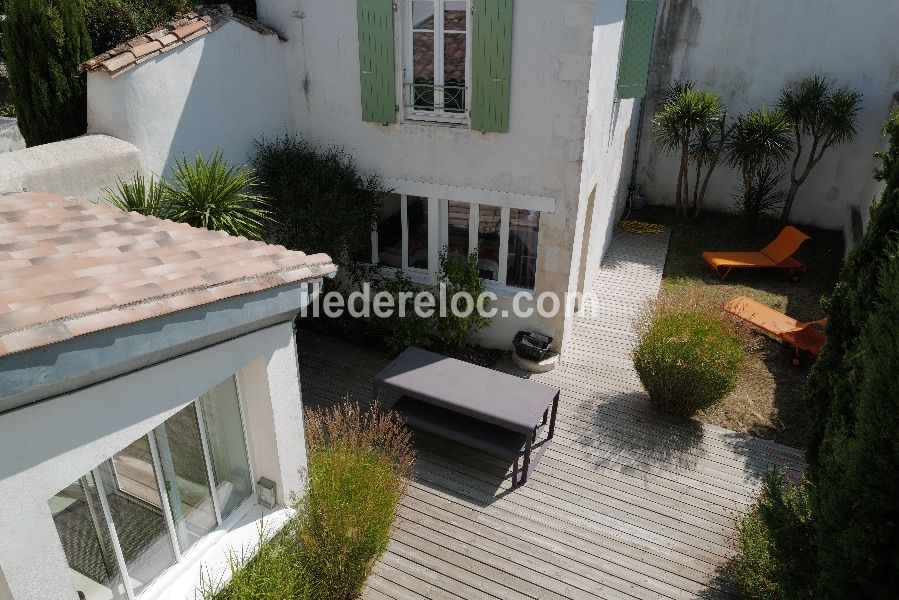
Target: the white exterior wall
pixel 541 155
pixel 609 146
pixel 48 445
pixel 78 167
pixel 219 91
pixel 747 51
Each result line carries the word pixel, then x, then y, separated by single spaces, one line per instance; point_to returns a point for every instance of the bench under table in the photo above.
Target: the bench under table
pixel 500 414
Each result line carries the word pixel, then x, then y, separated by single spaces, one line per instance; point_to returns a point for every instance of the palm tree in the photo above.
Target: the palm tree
pixel 759 142
pixel 210 194
pixel 691 122
pixel 218 196
pixel 819 112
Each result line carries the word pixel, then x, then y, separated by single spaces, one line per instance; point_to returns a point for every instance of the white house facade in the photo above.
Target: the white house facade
pixel 149 400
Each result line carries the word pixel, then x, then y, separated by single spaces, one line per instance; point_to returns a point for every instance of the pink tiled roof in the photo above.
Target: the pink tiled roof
pixel 70 267
pixel 166 37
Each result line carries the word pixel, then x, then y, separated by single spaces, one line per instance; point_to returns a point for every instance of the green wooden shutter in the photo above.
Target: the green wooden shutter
pixel 376 60
pixel 491 64
pixel 636 48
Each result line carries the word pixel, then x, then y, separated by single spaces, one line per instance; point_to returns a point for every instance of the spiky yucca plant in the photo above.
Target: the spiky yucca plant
pixel 141 195
pixel 759 141
pixel 215 195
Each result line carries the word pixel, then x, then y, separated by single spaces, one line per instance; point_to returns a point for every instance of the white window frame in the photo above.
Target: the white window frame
pixel 436 115
pixel 438 236
pixel 181 555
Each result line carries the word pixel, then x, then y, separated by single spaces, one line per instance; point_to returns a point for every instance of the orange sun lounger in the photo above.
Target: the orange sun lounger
pixel 776 255
pixel 807 337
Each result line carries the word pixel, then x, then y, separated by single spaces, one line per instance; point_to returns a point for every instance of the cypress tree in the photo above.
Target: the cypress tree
pixel 853 446
pixel 43 42
pixel 857 512
pixel 832 392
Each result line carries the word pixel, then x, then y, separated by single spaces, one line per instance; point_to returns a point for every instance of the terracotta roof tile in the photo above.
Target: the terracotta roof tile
pixel 178 31
pixel 117 268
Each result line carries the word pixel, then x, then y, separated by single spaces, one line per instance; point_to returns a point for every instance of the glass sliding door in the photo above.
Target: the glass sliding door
pixel 86 540
pixel 132 517
pixel 184 470
pixel 130 484
pixel 227 445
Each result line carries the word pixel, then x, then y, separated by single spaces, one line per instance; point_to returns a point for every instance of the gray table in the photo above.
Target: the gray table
pixel 479 407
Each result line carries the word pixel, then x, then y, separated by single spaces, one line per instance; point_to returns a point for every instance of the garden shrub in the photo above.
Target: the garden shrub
pixel 44 41
pixel 403 327
pixel 209 193
pixel 775 559
pixel 460 274
pixel 855 499
pixel 321 201
pixel 360 463
pixel 687 359
pixel 852 399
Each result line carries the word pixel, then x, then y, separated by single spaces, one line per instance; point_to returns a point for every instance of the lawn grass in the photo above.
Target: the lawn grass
pixel 768 400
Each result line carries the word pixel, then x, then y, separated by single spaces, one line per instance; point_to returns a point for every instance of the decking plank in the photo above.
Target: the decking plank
pixel 628 502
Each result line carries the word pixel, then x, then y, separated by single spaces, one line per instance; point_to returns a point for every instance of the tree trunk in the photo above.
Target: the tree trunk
pixel 814 156
pixel 683 194
pixel 712 164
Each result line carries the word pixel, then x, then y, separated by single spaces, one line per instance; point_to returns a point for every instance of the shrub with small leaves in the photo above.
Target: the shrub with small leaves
pixel 687 360
pixel 775 558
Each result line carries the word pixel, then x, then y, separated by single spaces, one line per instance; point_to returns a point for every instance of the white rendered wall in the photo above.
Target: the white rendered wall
pixel 78 167
pixel 541 155
pixel 220 91
pixel 609 146
pixel 48 445
pixel 747 51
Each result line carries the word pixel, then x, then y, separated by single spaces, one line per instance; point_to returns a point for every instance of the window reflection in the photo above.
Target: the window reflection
pixel 457 227
pixel 417 216
pixel 523 236
pixel 390 233
pixel 489 225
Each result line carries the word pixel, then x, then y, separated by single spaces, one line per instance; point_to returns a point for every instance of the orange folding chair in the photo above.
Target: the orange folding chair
pixel 776 255
pixel 803 337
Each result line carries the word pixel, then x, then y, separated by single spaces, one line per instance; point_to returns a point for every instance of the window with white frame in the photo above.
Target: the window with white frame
pixel 413 230
pixel 436 60
pixel 136 514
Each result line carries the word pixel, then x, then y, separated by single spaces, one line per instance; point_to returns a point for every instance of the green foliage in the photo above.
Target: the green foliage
pixel 857 516
pixel 775 558
pixel 44 41
pixel 834 379
pixel 691 122
pixel 818 112
pixel 7 110
pixel 403 327
pixel 206 193
pixel 686 359
pixel 758 144
pixel 111 22
pixel 763 197
pixel 144 196
pixel 215 195
pixel 320 200
pixel 360 463
pixel 460 275
pixel 759 139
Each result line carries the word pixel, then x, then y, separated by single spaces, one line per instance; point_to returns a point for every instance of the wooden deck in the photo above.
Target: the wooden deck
pixel 626 503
